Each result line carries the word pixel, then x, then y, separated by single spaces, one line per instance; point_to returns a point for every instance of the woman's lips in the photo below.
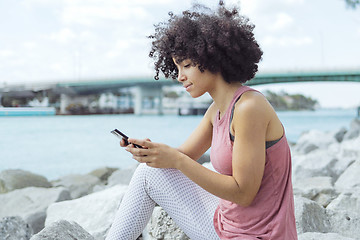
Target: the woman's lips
pixel 187 87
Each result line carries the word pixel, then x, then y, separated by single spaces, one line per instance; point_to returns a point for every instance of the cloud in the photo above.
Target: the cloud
pixel 96 11
pixel 282 21
pixel 63 36
pixel 6 53
pixel 286 41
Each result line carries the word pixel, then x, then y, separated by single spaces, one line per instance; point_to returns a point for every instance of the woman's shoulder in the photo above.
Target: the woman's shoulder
pixel 253 104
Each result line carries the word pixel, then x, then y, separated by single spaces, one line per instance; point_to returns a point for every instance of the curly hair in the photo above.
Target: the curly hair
pixel 219 41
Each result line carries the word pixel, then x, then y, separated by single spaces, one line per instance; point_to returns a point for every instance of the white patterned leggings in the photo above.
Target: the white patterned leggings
pixel 190 206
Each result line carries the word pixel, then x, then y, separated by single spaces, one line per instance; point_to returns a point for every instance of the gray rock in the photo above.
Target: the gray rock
pixel 16 179
pixel 339 135
pixel 94 212
pixel 319 189
pixel 31 204
pixel 78 185
pixel 14 228
pixel 346 223
pixel 310 216
pixel 346 201
pixel 63 230
pixel 312 140
pixel 121 176
pixel 350 177
pixel 161 226
pixel 354 130
pixel 318 163
pixel 103 173
pixel 322 236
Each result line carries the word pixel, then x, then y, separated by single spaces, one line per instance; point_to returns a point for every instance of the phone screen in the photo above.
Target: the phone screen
pixel 121 135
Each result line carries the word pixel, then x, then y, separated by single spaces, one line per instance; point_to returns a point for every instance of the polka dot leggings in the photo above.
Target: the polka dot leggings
pixel 190 206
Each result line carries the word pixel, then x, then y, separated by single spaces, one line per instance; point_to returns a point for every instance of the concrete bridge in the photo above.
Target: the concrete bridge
pixel 147 87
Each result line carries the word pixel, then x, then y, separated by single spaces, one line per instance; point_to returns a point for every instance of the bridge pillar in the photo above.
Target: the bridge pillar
pixel 148 100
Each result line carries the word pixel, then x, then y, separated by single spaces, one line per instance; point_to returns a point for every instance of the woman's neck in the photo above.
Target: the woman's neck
pixel 222 94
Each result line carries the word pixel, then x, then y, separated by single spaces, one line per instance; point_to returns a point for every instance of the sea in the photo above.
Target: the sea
pixel 55 146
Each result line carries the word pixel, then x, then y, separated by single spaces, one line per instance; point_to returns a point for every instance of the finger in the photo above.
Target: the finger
pixel 144 143
pixel 136 151
pixel 123 143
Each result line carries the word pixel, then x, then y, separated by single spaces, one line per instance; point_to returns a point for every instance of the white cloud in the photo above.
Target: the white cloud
pixel 63 36
pixel 6 53
pixel 282 21
pixel 286 41
pixel 92 12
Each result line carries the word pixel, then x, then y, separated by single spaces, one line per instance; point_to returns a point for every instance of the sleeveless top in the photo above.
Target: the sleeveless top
pixel 271 214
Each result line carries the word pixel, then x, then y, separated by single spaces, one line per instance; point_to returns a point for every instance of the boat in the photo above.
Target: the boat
pixel 27 111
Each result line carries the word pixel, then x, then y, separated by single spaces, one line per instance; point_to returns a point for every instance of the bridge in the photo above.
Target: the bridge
pixel 147 87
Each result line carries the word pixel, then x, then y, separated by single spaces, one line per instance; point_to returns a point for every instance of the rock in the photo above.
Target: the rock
pixel 94 212
pixel 310 216
pixel 161 226
pixel 14 228
pixel 16 179
pixel 121 176
pixel 314 139
pixel 346 223
pixel 78 185
pixel 319 189
pixel 339 135
pixel 354 130
pixel 63 230
pixel 346 201
pixel 350 177
pixel 322 236
pixel 31 204
pixel 315 164
pixel 103 173
pixel 205 158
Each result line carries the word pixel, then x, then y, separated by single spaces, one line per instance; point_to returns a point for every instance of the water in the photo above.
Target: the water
pixel 55 146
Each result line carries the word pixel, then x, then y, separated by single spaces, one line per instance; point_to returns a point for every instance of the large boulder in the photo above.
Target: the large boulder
pixel 16 179
pixel 322 236
pixel 103 173
pixel 63 230
pixel 345 223
pixel 31 204
pixel 310 216
pixel 319 189
pixel 14 228
pixel 78 185
pixel 314 139
pixel 354 130
pixel 94 212
pixel 346 201
pixel 161 226
pixel 350 177
pixel 318 163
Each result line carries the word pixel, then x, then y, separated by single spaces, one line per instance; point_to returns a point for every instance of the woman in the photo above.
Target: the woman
pixel 250 196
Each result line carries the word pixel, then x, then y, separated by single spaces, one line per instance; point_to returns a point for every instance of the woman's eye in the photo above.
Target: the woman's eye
pixel 187 65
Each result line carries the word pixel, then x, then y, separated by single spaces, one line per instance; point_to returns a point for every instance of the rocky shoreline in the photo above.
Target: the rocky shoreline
pixel 326 166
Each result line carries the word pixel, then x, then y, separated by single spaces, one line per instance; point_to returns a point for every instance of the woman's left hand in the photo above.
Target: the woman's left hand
pixel 156 155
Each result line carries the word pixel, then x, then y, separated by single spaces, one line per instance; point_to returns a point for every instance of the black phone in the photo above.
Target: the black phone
pixel 123 136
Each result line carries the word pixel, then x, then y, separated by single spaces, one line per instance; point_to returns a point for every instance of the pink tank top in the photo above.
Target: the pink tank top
pixel 271 214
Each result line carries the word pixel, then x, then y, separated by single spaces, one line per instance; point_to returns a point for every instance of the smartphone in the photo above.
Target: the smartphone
pixel 123 136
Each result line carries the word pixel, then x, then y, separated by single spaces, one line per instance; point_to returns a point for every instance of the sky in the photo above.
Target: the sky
pixel 76 40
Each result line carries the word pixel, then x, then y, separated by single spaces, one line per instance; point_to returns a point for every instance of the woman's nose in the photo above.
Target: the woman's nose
pixel 181 77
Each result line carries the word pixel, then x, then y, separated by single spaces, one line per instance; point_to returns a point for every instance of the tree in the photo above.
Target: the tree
pixel 353 3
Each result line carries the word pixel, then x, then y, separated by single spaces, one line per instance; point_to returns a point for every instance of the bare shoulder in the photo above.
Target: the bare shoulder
pixel 253 103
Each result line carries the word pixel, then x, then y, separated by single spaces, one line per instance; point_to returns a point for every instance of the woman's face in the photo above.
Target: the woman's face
pixel 193 80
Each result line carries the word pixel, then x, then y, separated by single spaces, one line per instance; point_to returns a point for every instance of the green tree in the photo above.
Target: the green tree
pixel 353 3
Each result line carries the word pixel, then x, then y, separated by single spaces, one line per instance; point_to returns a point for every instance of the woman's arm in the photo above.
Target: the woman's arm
pixel 200 139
